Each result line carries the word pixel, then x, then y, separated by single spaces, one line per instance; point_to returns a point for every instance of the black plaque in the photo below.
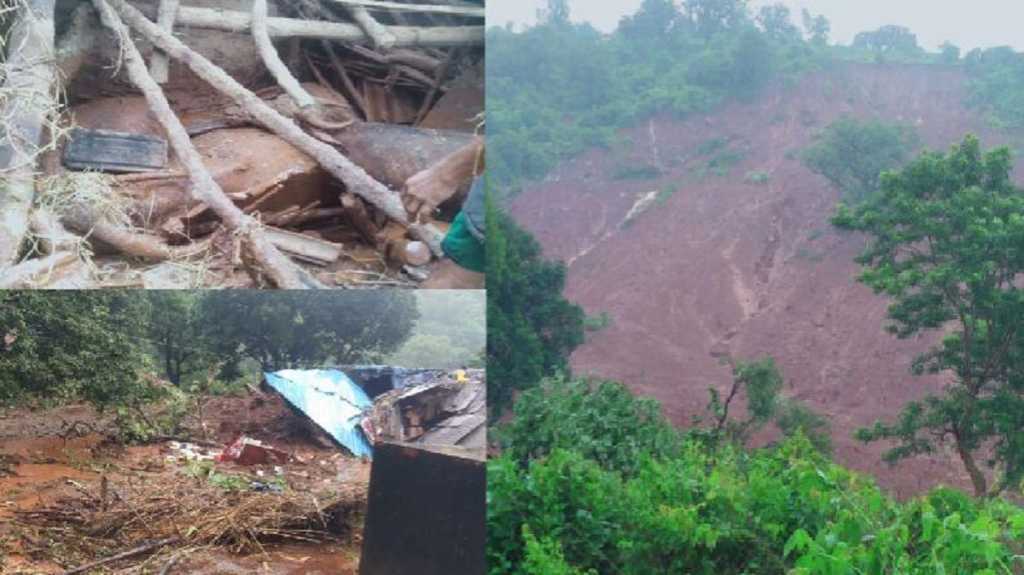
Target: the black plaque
pixel 106 151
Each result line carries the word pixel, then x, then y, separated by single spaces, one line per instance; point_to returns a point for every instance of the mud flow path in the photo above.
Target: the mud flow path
pixel 737 257
pixel 61 461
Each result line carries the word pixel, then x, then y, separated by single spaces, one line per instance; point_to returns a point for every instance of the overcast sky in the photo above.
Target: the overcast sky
pixel 967 23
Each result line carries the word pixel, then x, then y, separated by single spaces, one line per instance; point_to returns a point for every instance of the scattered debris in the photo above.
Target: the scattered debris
pixel 330 399
pixel 107 151
pixel 249 451
pixel 448 411
pixel 189 452
pixel 342 96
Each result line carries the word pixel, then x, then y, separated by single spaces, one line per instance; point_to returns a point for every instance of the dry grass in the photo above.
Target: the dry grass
pixel 191 510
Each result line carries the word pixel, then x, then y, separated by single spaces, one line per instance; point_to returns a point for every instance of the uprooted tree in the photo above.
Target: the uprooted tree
pixel 947 245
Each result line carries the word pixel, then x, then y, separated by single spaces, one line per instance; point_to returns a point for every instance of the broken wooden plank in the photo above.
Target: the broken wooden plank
pixel 108 151
pixel 304 247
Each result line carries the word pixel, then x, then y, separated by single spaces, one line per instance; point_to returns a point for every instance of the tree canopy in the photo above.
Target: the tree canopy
pixel 947 246
pixel 852 154
pixel 282 330
pixel 531 328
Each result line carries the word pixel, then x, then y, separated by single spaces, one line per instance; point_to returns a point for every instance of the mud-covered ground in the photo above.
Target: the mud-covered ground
pixel 746 263
pixel 49 456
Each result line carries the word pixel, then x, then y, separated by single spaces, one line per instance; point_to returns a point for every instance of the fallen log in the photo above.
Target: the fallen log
pixel 393 153
pixel 28 102
pixel 354 177
pixel 281 271
pixel 405 36
pixel 379 34
pixel 91 225
pixel 51 234
pixel 159 63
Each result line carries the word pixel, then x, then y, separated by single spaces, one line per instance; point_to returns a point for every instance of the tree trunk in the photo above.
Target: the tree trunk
pixel 31 70
pixel 282 272
pixel 978 480
pixel 355 178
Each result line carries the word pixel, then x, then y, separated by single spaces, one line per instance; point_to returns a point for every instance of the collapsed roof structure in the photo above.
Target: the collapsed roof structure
pixel 435 408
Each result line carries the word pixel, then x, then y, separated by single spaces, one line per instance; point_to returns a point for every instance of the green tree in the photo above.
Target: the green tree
pixel 761 382
pixel 713 16
pixel 557 12
pixel 949 53
pixel 65 346
pixel 888 40
pixel 997 84
pixel 283 330
pixel 176 329
pixel 531 328
pixel 817 27
pixel 947 245
pixel 777 22
pixel 653 21
pixel 793 418
pixel 852 154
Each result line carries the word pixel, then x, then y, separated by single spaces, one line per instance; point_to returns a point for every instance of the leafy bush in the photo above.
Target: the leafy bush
pixel 600 419
pixel 725 511
pixel 852 154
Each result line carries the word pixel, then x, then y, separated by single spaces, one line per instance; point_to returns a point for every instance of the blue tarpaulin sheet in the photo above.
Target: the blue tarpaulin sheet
pixel 330 399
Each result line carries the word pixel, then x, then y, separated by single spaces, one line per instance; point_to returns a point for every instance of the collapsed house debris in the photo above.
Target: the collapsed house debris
pixel 441 412
pixel 267 471
pixel 414 406
pixel 232 143
pixel 330 399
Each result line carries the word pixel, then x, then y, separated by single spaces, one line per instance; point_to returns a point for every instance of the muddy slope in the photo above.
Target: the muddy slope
pixel 725 265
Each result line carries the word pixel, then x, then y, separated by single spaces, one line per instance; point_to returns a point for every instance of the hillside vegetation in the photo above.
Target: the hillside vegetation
pixel 559 88
pixel 594 480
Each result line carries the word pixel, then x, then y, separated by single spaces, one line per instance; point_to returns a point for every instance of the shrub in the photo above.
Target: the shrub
pixel 852 154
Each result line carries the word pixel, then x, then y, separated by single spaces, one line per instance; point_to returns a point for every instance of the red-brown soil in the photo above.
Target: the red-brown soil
pixel 727 266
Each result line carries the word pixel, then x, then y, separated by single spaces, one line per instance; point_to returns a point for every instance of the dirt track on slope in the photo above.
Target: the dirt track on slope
pixel 726 266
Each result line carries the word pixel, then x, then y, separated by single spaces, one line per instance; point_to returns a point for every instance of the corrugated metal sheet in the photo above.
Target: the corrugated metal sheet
pixel 330 399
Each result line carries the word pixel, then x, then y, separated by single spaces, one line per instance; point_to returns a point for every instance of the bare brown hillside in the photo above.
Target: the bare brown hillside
pixel 726 265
